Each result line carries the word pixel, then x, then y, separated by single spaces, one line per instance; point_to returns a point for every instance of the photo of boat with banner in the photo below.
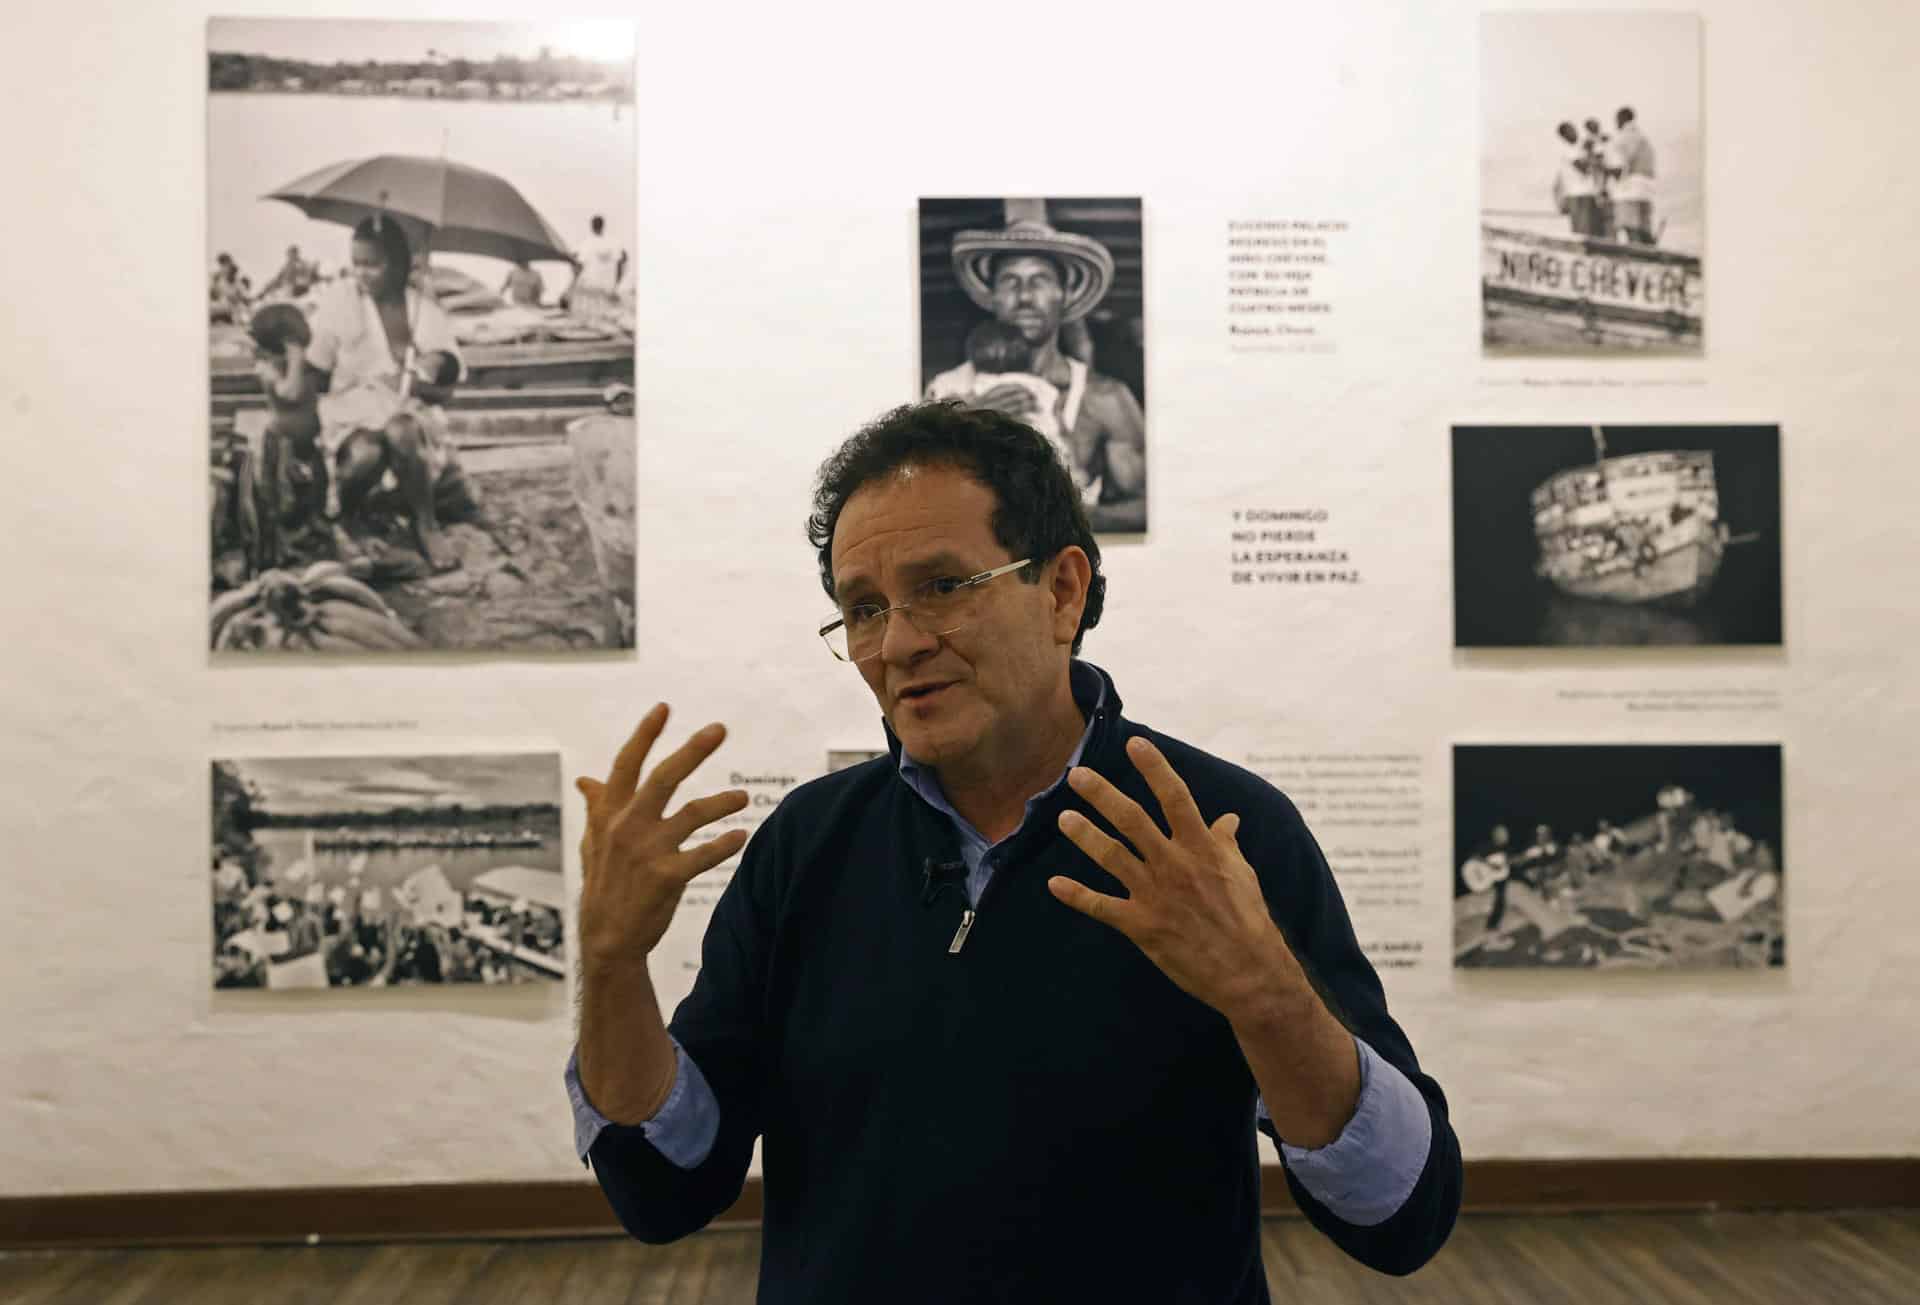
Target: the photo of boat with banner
pixel 1644 528
pixel 1592 185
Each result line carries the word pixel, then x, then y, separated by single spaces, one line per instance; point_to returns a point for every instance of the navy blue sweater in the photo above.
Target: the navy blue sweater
pixel 1043 1116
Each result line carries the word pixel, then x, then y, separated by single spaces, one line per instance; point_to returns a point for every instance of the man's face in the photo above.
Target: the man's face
pixel 1028 296
pixel 992 677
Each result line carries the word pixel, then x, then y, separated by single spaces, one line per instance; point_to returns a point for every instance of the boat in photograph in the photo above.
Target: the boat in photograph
pixel 1533 285
pixel 517 357
pixel 1642 528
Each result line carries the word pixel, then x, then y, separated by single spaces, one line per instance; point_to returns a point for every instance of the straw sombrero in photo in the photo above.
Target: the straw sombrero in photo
pixel 1086 263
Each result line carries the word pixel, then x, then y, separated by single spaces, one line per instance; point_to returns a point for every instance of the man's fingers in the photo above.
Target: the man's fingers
pixel 697 860
pixel 702 812
pixel 1226 831
pixel 652 796
pixel 1110 911
pixel 1176 799
pixel 633 754
pixel 1106 852
pixel 1121 811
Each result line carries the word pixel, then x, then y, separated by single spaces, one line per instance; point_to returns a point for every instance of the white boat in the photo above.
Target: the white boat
pixel 1643 528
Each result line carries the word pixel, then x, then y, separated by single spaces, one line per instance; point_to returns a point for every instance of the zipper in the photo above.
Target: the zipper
pixel 970 914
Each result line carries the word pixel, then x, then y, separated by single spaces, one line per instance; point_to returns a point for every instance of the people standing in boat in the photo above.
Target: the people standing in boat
pixel 1573 188
pixel 1633 192
pixel 598 265
pixel 385 362
pixel 1596 145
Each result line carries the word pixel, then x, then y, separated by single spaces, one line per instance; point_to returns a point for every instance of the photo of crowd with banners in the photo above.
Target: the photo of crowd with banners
pixel 1034 307
pixel 1610 536
pixel 375 872
pixel 420 318
pixel 1615 857
pixel 1592 223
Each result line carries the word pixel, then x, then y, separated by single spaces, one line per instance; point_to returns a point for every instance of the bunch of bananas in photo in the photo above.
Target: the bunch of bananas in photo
pixel 320 609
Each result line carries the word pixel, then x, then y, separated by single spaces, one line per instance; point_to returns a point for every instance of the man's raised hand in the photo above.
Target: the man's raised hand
pixel 1193 904
pixel 633 864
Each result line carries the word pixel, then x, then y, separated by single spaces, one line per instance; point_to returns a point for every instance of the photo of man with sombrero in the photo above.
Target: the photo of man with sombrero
pixel 1018 298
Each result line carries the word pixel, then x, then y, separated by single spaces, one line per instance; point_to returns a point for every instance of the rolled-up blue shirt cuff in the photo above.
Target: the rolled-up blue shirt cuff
pixel 682 1130
pixel 1366 1174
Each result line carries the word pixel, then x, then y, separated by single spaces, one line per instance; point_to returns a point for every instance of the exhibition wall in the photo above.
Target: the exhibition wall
pixel 1344 565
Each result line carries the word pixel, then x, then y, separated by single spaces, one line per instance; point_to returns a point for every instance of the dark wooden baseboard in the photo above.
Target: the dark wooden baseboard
pixel 522 1210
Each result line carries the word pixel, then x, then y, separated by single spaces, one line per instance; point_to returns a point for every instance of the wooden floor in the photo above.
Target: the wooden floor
pixel 1633 1259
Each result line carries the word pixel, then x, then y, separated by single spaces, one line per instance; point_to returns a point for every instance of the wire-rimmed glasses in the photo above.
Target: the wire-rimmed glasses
pixel 938 607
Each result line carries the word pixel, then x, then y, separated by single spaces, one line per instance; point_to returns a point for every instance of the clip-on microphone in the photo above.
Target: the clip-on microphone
pixel 938 875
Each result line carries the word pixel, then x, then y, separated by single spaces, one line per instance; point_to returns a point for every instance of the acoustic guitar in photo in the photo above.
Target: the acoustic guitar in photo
pixel 1481 873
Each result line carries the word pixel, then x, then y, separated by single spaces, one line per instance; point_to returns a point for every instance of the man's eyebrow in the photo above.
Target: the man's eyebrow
pixel 934 564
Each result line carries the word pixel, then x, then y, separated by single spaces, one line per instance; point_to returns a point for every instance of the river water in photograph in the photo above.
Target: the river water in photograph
pixel 285 846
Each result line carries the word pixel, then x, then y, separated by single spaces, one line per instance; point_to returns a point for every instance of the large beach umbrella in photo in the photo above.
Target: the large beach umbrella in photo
pixel 447 206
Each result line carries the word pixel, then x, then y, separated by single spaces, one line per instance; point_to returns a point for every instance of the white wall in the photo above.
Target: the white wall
pixel 779 160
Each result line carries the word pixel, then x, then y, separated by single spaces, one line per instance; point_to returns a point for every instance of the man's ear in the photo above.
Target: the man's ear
pixel 1071 574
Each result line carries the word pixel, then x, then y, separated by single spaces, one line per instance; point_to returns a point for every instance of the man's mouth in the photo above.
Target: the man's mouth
pixel 922 692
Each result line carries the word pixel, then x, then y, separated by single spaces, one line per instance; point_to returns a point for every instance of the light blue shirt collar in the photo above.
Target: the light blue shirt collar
pixel 925 781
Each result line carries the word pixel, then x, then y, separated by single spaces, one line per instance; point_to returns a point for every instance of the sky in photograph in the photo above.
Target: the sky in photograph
pixel 1538 69
pixel 332 40
pixel 305 785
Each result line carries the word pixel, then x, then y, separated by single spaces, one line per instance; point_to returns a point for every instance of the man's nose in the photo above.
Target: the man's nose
pixel 902 640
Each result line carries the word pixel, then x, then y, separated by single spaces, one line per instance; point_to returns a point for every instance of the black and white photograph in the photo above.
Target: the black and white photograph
pixel 1618 856
pixel 379 872
pixel 845 758
pixel 420 321
pixel 1035 308
pixel 1616 536
pixel 1592 219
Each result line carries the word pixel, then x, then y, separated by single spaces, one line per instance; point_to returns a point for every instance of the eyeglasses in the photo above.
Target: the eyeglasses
pixel 938 607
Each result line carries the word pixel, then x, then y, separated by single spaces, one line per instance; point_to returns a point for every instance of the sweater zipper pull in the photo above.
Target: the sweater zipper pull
pixel 960 934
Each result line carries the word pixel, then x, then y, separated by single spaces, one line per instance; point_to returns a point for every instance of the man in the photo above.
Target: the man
pixel 1633 192
pixel 1496 853
pixel 1006 1004
pixel 1596 145
pixel 524 286
pixel 228 291
pixel 1575 190
pixel 598 266
pixel 1042 281
pixel 295 277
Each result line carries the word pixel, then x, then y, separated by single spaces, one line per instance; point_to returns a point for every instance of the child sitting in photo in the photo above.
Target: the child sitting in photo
pixel 293 482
